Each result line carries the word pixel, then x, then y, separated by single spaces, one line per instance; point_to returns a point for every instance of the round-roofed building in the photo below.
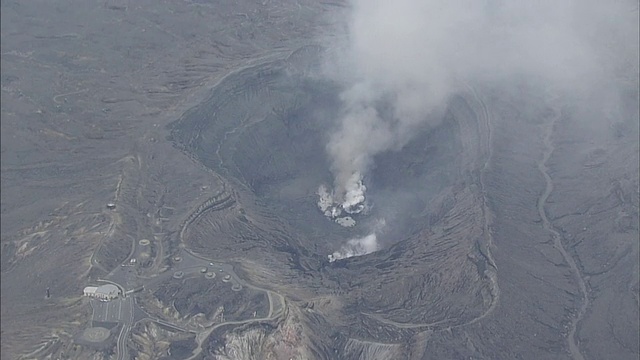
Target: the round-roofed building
pixel 103 292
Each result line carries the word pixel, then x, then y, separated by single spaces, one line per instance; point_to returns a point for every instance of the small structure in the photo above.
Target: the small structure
pixel 111 206
pixel 90 291
pixel 103 292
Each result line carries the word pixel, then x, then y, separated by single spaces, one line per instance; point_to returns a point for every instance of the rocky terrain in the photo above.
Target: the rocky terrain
pixel 511 225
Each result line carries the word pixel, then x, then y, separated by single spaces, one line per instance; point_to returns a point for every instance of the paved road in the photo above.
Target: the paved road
pixel 218 267
pixel 118 310
pixel 127 322
pixel 122 310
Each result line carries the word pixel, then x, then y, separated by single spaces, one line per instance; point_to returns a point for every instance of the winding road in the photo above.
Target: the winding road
pixel 574 345
pixel 121 347
pixel 203 335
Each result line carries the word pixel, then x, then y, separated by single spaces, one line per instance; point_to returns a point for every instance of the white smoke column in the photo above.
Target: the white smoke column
pixel 389 65
pixel 325 200
pixel 404 59
pixel 356 247
pixel 354 195
pixel 409 56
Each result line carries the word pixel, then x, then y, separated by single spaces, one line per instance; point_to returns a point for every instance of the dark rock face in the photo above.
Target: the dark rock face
pixel 435 270
pixel 511 226
pixel 466 255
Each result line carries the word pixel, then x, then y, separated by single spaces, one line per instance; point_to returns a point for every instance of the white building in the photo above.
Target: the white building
pixel 104 292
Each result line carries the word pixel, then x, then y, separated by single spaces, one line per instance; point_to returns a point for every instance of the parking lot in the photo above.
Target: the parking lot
pixel 118 310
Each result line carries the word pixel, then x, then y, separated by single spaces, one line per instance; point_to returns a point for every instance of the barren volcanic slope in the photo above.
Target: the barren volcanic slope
pixel 506 227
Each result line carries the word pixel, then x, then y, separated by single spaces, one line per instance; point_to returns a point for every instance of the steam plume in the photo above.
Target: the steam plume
pixel 403 59
pixel 407 57
pixel 356 247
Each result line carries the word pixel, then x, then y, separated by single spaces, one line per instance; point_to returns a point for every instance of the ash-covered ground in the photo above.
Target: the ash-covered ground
pixel 504 226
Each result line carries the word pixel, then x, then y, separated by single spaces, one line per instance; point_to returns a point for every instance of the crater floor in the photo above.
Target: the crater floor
pixel 511 226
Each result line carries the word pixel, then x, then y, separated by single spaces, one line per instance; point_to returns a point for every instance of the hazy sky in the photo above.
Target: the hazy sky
pixel 407 57
pixel 413 54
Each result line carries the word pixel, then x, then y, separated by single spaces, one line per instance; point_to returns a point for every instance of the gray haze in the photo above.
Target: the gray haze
pixel 408 56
